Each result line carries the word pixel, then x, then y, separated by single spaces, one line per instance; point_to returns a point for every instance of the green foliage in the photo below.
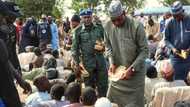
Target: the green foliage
pixel 169 2
pixel 76 5
pixel 36 7
pixel 56 13
pixel 130 4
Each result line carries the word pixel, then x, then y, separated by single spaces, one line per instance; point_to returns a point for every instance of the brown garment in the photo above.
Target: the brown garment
pixel 166 97
pixel 62 35
pixel 153 30
pixel 26 58
pixel 38 61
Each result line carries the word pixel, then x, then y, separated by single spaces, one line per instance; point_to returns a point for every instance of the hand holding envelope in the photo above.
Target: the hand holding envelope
pixel 121 73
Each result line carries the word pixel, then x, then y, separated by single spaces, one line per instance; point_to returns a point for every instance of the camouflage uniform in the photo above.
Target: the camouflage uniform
pixel 84 40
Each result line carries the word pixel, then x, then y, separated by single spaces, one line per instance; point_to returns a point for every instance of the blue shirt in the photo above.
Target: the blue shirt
pixel 177 34
pixel 162 26
pixel 55 36
pixel 37 97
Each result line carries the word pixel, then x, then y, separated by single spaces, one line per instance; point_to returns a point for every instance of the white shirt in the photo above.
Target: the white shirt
pixel 175 83
pixel 37 97
pixel 149 85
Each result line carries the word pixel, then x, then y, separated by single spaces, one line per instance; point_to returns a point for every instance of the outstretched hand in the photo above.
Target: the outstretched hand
pixel 26 86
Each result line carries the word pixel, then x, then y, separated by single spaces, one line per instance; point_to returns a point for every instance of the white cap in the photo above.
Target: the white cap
pixel 115 9
pixel 103 102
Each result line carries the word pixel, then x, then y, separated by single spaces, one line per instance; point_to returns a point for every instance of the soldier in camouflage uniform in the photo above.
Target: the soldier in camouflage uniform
pixel 88 46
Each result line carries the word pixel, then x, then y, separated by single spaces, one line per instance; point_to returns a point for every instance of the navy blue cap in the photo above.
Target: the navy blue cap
pixel 3 7
pixel 87 12
pixel 10 9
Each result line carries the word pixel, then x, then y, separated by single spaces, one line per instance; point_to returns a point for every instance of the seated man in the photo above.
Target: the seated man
pixel 38 60
pixel 27 57
pixel 168 96
pixel 56 92
pixel 50 68
pixel 43 86
pixel 104 102
pixel 88 97
pixel 72 94
pixel 150 80
pixel 167 74
pixel 60 61
pixel 34 73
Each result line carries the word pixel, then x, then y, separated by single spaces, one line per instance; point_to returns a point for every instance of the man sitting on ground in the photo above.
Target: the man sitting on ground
pixel 88 97
pixel 56 92
pixel 43 86
pixel 73 93
pixel 150 80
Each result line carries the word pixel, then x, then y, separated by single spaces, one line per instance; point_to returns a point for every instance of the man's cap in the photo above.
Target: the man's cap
pixel 115 9
pixel 12 9
pixel 177 8
pixel 75 18
pixel 86 12
pixel 49 17
pixel 3 7
pixel 103 102
pixel 43 16
pixel 29 48
pixel 9 8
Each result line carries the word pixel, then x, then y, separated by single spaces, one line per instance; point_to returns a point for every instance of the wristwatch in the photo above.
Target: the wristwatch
pixel 132 69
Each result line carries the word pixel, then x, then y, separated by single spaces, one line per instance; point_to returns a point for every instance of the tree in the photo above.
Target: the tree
pixel 169 2
pixel 36 7
pixel 130 4
pixel 76 5
pixel 56 13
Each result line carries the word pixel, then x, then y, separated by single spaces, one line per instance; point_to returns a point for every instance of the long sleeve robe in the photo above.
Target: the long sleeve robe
pixel 126 46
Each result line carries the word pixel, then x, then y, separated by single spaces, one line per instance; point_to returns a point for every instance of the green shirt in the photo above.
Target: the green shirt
pixel 83 43
pixel 126 45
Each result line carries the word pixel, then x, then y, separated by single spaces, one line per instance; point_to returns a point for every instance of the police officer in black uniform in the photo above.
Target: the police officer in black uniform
pixel 9 64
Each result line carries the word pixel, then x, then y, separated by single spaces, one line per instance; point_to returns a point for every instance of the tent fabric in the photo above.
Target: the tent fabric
pixel 157 10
